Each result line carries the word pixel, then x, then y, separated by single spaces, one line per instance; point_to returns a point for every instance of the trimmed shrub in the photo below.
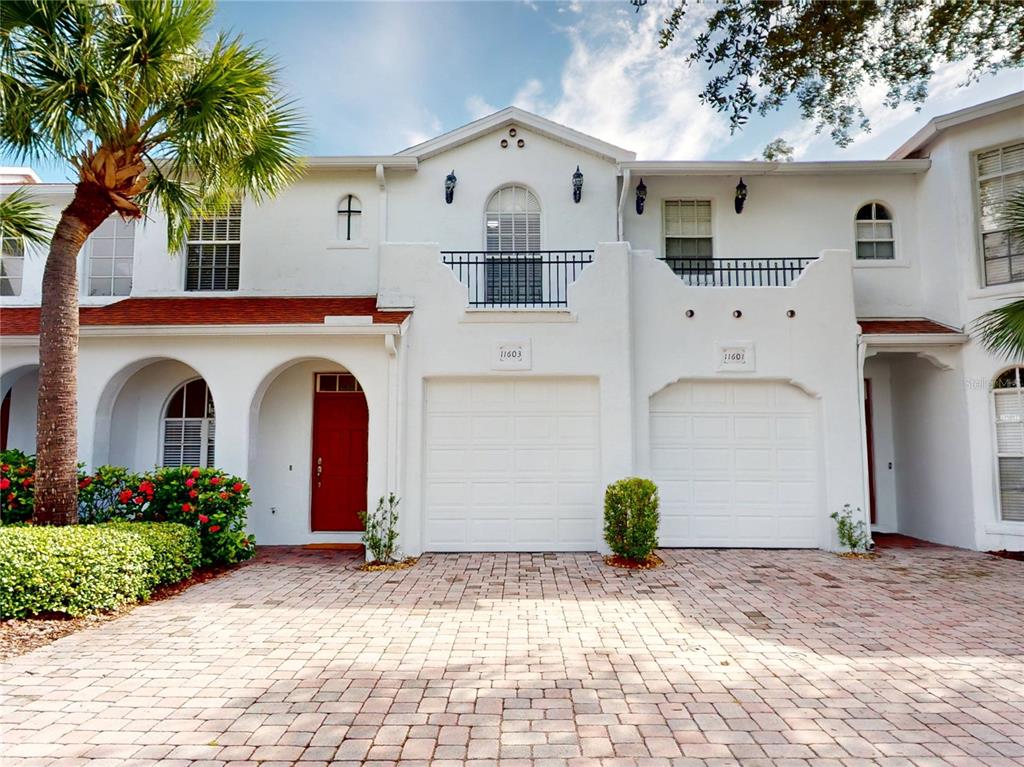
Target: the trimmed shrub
pixel 17 480
pixel 74 570
pixel 380 530
pixel 210 502
pixel 631 518
pixel 107 494
pixel 176 549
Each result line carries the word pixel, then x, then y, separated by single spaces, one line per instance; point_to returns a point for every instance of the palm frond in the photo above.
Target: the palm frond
pixel 1001 330
pixel 23 218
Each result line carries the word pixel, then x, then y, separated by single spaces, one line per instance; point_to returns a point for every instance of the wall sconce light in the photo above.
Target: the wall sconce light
pixel 449 187
pixel 577 185
pixel 741 196
pixel 641 195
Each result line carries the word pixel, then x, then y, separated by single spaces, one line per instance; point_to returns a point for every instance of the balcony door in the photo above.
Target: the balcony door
pixel 513 273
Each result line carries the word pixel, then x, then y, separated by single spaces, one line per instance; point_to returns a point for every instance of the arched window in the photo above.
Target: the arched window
pixel 188 426
pixel 875 237
pixel 350 218
pixel 513 220
pixel 1008 393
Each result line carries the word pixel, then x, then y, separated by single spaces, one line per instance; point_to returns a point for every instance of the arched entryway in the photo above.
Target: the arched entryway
pixel 309 454
pixel 18 393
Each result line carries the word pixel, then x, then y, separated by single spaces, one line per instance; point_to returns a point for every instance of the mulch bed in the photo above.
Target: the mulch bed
pixel 23 635
pixel 652 561
pixel 1015 555
pixel 374 567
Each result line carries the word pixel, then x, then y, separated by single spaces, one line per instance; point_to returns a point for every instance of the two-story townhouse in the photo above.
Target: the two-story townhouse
pixel 496 323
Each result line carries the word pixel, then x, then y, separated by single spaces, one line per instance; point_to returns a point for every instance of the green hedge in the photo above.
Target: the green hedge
pixel 81 569
pixel 631 518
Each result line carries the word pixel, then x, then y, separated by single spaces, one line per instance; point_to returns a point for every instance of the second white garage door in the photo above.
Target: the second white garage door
pixel 737 464
pixel 511 465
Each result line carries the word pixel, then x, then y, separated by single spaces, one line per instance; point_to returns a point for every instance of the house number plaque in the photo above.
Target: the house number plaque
pixel 512 355
pixel 735 356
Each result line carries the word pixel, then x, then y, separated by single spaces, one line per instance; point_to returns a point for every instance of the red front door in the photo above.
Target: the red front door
pixel 340 431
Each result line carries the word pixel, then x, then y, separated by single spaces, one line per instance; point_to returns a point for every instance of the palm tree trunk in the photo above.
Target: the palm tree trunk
pixel 56 479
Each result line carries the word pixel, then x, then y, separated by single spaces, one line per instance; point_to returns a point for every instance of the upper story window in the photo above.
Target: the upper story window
pixel 876 240
pixel 12 265
pixel 110 255
pixel 350 218
pixel 512 220
pixel 1008 392
pixel 687 233
pixel 1000 173
pixel 189 426
pixel 213 251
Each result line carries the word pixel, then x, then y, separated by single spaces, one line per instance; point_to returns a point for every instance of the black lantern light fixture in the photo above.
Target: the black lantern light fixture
pixel 577 185
pixel 741 196
pixel 641 195
pixel 449 187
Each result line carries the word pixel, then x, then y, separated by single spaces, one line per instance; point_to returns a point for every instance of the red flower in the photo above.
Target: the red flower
pixel 186 507
pixel 214 480
pixel 26 482
pixel 4 467
pixel 11 497
pixel 5 483
pixel 238 487
pixel 203 518
pixel 214 528
pixel 85 483
pixel 146 487
pixel 223 496
pixel 189 482
pixel 193 494
pixel 195 473
pixel 137 500
pixel 24 470
pixel 124 496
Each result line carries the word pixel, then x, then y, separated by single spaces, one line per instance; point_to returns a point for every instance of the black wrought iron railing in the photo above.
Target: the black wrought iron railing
pixel 738 272
pixel 517 279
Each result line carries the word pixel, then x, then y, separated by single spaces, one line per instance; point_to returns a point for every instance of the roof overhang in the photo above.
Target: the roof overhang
pixel 361 162
pixel 519 117
pixel 758 168
pixel 936 125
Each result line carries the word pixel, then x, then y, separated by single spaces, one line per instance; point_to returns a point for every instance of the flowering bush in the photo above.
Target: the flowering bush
pixel 209 501
pixel 206 500
pixel 17 478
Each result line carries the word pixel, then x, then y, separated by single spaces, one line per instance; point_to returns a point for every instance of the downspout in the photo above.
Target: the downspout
pixel 382 216
pixel 620 220
pixel 862 349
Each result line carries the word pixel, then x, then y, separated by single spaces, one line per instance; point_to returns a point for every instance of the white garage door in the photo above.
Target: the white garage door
pixel 736 464
pixel 511 465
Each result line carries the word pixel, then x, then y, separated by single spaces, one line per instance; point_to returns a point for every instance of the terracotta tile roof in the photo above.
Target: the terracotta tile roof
pixel 24 321
pixel 898 327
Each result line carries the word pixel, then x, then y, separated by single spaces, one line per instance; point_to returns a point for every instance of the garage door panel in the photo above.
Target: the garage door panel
pixel 522 476
pixel 736 464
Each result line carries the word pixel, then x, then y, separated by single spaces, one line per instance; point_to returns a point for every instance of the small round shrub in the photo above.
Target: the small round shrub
pixel 75 570
pixel 176 549
pixel 17 486
pixel 106 495
pixel 631 518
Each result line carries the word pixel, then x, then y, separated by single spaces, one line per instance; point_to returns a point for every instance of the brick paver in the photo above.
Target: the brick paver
pixel 754 658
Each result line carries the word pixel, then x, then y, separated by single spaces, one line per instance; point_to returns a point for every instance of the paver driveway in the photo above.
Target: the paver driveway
pixel 721 657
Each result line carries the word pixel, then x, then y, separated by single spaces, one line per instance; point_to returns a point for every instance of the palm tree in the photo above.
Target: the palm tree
pixel 148 116
pixel 23 219
pixel 1001 330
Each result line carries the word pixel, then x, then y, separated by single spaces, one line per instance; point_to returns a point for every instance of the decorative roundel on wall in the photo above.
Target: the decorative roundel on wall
pixel 520 143
pixel 512 132
pixel 504 143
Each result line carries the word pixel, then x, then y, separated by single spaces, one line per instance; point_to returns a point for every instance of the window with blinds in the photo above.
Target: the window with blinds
pixel 512 232
pixel 189 426
pixel 12 265
pixel 687 226
pixel 1008 393
pixel 111 252
pixel 1000 173
pixel 213 251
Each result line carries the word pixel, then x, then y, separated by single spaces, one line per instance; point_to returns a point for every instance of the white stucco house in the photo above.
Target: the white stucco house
pixel 498 322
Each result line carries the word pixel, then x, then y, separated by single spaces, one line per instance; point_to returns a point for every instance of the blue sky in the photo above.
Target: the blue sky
pixel 374 78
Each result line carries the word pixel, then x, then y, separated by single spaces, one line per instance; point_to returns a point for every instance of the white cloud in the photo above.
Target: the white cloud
pixel 427 126
pixel 478 107
pixel 618 85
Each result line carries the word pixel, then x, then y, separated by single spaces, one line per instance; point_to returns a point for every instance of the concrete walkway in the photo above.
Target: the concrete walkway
pixel 719 658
